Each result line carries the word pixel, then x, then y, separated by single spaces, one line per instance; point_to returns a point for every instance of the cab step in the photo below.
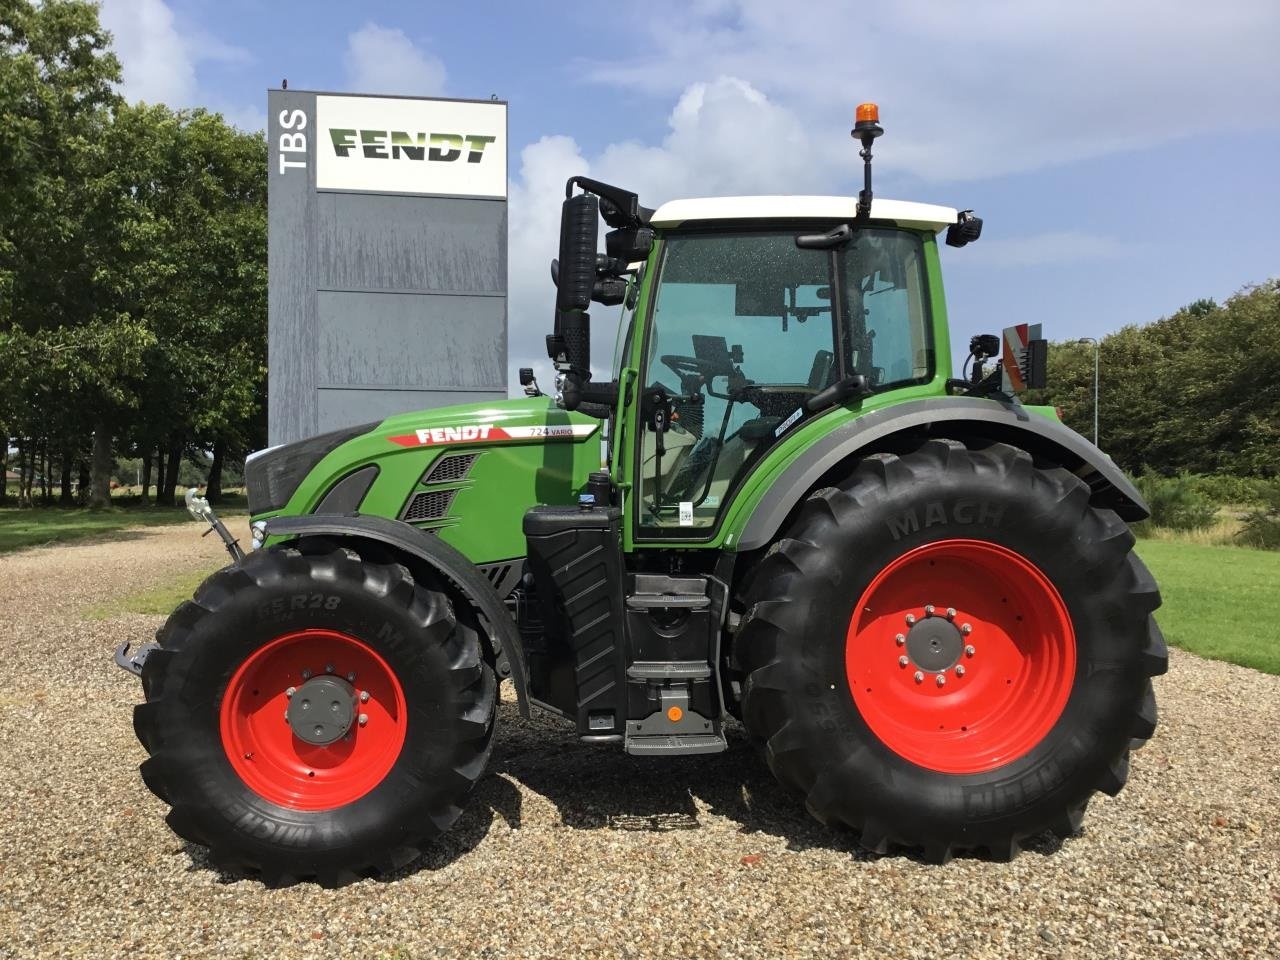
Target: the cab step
pixel 669 670
pixel 666 745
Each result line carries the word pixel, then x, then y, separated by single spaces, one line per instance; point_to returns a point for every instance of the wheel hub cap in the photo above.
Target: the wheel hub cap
pixel 322 710
pixel 934 644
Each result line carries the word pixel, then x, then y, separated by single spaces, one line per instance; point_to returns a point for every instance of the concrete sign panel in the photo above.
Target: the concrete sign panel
pixel 387 258
pixel 445 148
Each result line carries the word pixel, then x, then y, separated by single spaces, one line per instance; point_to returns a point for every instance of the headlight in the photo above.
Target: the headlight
pixel 272 476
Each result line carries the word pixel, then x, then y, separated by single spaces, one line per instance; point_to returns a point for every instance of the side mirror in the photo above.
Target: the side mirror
pixel 609 291
pixel 629 244
pixel 579 231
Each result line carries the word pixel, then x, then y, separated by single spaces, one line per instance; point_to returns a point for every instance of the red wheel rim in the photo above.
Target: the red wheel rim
pixel 1014 670
pixel 282 768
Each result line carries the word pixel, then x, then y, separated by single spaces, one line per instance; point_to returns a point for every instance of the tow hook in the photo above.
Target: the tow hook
pixel 134 663
pixel 199 508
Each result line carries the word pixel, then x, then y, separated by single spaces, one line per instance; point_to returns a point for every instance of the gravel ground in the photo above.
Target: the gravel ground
pixel 569 851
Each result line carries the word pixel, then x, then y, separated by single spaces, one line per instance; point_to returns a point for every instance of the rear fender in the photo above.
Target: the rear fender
pixel 956 418
pixel 427 548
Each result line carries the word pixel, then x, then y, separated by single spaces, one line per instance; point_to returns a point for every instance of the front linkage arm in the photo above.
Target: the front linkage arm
pixel 199 508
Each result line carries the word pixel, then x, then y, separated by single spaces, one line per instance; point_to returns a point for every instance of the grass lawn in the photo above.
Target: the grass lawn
pixel 35 526
pixel 161 599
pixel 1216 600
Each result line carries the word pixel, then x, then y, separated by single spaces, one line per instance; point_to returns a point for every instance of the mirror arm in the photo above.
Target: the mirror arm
pixel 839 392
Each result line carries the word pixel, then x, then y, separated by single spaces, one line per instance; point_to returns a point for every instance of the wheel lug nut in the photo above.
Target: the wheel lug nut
pixel 928 609
pixel 959 671
pixel 328 668
pixel 306 674
pixel 951 613
pixel 941 681
pixel 899 639
pixel 903 661
pixel 919 677
pixel 911 619
pixel 364 696
pixel 351 677
pixel 970 650
pixel 966 629
pixel 364 718
pixel 289 692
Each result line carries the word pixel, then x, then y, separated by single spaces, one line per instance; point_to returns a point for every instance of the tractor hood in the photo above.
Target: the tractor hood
pixel 468 472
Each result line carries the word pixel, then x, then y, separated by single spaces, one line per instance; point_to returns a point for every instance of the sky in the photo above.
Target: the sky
pixel 1122 155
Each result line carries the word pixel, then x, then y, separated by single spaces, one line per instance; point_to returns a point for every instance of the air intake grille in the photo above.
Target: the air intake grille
pixel 428 505
pixel 450 468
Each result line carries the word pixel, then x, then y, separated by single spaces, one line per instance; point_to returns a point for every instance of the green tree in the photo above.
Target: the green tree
pixel 132 260
pixel 57 79
pixel 1197 391
pixel 202 289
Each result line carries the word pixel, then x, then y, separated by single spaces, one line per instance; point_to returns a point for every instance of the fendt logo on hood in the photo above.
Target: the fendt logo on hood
pixel 397 145
pixel 478 433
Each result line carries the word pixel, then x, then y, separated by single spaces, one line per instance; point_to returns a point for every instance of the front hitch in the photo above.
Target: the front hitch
pixel 135 661
pixel 199 508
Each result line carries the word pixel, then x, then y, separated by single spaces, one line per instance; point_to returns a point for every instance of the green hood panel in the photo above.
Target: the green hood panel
pixel 527 451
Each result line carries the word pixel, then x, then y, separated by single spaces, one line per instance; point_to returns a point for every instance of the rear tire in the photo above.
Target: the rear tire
pixel 232 767
pixel 1054 674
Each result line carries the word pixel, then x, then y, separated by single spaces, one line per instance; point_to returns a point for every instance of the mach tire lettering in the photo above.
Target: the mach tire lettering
pixel 963 512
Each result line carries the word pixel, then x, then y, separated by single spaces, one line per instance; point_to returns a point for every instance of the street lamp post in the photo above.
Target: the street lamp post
pixel 1096 348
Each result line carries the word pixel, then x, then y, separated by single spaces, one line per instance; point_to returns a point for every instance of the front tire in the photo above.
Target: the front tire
pixel 404 700
pixel 951 651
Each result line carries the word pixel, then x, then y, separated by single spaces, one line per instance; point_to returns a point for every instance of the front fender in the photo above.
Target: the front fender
pixel 449 562
pixel 958 418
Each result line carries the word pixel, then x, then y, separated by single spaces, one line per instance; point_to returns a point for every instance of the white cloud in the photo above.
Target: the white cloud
pixel 158 63
pixel 981 88
pixel 159 59
pixel 384 60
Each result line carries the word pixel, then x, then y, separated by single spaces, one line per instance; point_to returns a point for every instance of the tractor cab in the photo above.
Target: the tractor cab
pixel 756 323
pixel 744 319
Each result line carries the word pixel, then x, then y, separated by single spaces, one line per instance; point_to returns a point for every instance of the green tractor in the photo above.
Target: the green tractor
pixel 917 595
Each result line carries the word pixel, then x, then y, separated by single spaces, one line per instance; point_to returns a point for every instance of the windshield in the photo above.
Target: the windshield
pixel 746 327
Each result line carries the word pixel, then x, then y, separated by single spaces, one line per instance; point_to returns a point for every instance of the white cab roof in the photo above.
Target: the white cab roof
pixel 903 212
